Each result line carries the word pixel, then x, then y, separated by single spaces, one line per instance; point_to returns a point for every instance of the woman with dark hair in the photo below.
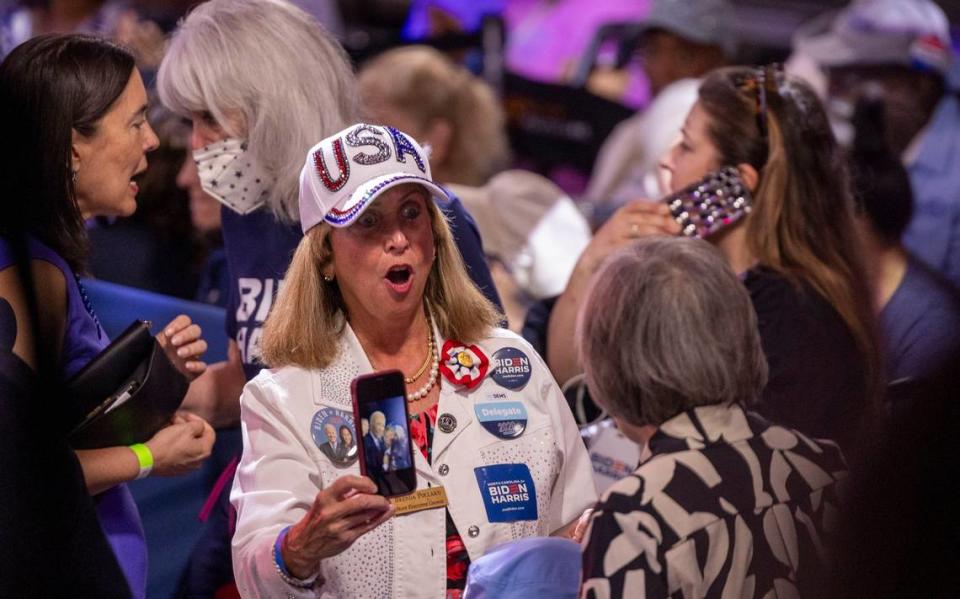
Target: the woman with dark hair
pixel 797 250
pixel 346 439
pixel 919 309
pixel 75 108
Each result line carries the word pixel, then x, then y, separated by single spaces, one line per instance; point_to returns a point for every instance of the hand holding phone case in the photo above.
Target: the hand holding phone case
pixel 125 394
pixel 715 202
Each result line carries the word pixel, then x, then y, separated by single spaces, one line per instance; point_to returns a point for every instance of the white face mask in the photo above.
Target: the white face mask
pixel 232 176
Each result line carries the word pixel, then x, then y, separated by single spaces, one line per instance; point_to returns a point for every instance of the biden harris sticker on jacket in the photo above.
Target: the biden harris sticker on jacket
pixel 335 435
pixel 505 419
pixel 508 492
pixel 511 368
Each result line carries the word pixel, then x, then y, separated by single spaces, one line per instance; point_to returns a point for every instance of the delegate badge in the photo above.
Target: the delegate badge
pixel 335 435
pixel 505 419
pixel 462 364
pixel 511 368
pixel 508 492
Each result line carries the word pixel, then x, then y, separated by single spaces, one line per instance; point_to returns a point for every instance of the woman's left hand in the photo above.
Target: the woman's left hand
pixel 576 529
pixel 582 523
pixel 183 345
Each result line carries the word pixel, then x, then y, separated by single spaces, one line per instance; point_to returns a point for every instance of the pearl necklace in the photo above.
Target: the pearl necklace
pixel 434 366
pixel 432 352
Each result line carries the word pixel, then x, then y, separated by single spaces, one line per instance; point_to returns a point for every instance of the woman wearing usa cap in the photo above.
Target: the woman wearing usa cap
pixel 262 82
pixel 377 283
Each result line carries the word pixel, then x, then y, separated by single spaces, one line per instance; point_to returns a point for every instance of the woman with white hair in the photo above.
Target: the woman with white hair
pixel 377 284
pixel 724 503
pixel 261 81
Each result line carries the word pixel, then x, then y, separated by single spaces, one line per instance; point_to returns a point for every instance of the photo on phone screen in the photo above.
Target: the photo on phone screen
pixel 386 456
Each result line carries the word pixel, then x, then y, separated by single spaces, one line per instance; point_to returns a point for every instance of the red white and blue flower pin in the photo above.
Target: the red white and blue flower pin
pixel 462 364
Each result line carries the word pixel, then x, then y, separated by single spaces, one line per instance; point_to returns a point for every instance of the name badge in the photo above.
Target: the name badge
pixel 508 492
pixel 511 368
pixel 505 419
pixel 419 500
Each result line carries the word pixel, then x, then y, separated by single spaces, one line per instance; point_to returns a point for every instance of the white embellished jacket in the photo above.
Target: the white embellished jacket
pixel 283 469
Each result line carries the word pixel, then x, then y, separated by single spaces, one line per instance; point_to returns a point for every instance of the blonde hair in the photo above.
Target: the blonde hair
pixel 308 317
pixel 426 86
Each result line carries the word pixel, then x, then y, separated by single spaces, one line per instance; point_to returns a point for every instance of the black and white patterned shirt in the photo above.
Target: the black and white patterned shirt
pixel 724 504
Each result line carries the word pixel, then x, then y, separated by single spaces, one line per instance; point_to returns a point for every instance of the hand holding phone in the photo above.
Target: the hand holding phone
pixel 340 514
pixel 712 204
pixel 386 453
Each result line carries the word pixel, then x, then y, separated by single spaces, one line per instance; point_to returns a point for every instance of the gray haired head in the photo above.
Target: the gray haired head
pixel 288 79
pixel 667 327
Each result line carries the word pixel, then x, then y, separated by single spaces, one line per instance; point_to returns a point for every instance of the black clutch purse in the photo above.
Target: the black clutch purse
pixel 125 394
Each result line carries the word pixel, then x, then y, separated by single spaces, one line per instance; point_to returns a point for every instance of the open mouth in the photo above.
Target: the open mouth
pixel 399 275
pixel 135 181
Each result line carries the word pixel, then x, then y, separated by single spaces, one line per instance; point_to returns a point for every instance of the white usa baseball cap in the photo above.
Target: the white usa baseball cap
pixel 346 172
pixel 913 33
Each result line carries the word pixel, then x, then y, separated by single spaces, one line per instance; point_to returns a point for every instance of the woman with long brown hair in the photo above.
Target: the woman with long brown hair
pixel 796 251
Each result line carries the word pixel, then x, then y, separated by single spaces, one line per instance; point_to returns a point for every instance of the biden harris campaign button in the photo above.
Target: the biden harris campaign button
pixel 335 435
pixel 505 419
pixel 508 492
pixel 511 368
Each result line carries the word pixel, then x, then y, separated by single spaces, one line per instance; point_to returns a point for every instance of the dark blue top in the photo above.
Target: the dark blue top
pixel 373 450
pixel 214 284
pixel 920 324
pixel 82 340
pixel 259 250
pixel 933 235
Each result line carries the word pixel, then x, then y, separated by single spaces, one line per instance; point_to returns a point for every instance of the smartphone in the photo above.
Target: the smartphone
pixel 712 204
pixel 386 452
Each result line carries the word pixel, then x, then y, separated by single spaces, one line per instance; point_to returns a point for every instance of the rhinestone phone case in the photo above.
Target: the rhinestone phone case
pixel 711 204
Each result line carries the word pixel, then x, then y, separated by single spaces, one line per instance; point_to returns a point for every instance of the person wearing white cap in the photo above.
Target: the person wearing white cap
pixel 262 82
pixel 377 283
pixel 901 49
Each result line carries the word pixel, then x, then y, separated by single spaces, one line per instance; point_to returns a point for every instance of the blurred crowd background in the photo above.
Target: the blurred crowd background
pixel 547 118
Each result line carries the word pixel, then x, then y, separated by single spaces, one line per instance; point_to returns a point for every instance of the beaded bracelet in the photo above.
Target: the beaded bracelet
pixel 282 567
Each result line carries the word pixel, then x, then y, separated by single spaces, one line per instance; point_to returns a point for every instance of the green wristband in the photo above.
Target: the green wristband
pixel 144 458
